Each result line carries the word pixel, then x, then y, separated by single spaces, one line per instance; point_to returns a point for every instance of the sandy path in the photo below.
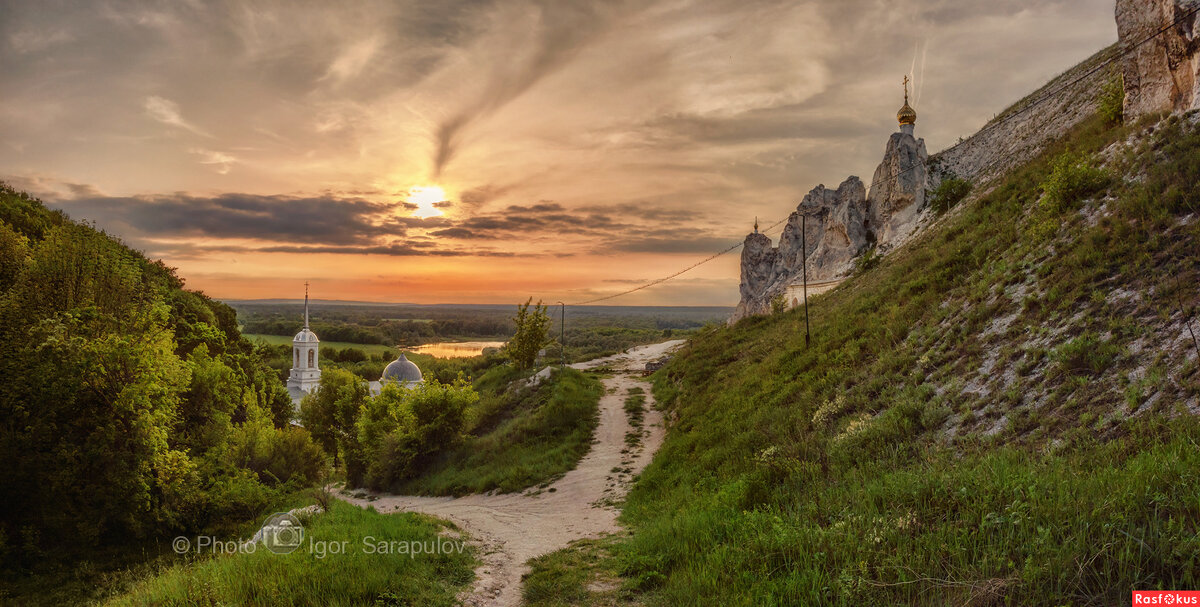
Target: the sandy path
pixel 511 528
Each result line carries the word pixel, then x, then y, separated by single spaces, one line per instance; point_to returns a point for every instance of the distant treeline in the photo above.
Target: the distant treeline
pixel 386 332
pixel 407 325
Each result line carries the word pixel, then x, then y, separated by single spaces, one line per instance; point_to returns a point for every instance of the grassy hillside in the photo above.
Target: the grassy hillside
pixel 1005 408
pixel 1002 411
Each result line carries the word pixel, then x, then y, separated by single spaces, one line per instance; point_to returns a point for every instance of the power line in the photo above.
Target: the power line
pixel 1004 119
pixel 666 278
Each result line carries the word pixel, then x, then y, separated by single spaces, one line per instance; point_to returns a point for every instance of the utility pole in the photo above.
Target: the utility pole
pixel 562 334
pixel 804 257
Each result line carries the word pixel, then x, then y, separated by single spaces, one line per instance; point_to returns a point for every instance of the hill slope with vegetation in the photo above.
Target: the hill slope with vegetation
pixel 1005 408
pixel 1003 411
pixel 132 408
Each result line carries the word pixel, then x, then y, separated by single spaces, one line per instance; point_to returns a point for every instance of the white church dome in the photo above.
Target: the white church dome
pixel 401 370
pixel 305 336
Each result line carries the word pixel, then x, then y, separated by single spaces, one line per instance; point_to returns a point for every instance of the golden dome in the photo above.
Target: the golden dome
pixel 906 115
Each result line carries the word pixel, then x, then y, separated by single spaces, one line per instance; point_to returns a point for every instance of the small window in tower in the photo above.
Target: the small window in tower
pixel 297 365
pixel 310 358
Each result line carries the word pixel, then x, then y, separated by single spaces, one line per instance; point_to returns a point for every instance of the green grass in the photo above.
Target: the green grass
pixel 583 573
pixel 635 412
pixel 305 578
pixel 92 575
pixel 932 526
pixel 518 439
pixel 826 475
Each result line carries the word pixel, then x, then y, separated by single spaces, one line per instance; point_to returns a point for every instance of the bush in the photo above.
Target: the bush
pixel 869 259
pixel 532 334
pixel 1112 101
pixel 778 303
pixel 277 455
pixel 1072 178
pixel 402 427
pixel 949 193
pixel 1086 355
pixel 518 438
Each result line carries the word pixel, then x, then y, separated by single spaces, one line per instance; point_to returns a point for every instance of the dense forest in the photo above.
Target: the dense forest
pixel 131 408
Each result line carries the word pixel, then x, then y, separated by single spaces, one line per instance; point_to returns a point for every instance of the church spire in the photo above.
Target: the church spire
pixel 306 304
pixel 907 116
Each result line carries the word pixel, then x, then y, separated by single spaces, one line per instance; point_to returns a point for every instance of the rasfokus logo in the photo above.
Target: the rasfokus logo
pixel 1166 597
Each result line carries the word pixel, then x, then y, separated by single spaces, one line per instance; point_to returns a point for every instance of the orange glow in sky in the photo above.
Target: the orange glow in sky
pixel 425 197
pixel 434 152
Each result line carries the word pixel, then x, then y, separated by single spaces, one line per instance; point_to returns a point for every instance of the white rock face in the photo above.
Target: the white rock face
pixel 898 189
pixel 1164 73
pixel 760 261
pixel 1024 130
pixel 836 230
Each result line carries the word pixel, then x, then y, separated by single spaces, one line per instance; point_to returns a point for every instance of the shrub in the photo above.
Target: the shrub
pixel 1112 101
pixel 531 336
pixel 277 455
pixel 949 192
pixel 778 303
pixel 869 259
pixel 402 427
pixel 1086 355
pixel 1072 178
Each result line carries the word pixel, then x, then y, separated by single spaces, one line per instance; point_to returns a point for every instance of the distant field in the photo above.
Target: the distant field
pixel 277 340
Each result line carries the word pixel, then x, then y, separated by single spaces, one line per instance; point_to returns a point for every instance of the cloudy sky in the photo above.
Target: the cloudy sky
pixel 485 151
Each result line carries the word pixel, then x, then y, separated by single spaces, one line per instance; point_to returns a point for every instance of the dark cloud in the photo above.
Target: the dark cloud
pixel 461 234
pixel 279 218
pixel 699 244
pixel 401 249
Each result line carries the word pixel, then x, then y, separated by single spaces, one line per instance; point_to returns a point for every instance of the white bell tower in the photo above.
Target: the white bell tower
pixel 305 374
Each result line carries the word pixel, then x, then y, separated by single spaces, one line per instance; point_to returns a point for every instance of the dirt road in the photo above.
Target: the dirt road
pixel 511 528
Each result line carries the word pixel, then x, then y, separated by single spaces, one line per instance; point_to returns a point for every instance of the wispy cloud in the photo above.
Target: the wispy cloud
pixel 353 59
pixel 167 112
pixel 220 161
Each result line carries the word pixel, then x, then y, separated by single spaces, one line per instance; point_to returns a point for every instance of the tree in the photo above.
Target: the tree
pixel 403 427
pixel 778 303
pixel 532 334
pixel 331 414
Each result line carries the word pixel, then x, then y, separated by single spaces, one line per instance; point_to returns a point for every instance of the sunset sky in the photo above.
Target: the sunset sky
pixel 483 152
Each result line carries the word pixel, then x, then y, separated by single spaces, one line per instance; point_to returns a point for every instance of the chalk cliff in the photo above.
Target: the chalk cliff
pixel 839 225
pixel 1164 73
pixel 898 189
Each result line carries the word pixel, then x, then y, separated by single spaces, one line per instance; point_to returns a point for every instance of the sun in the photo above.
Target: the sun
pixel 426 198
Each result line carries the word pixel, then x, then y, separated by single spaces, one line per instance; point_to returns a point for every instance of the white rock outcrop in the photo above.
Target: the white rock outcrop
pixel 1162 75
pixel 898 189
pixel 839 225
